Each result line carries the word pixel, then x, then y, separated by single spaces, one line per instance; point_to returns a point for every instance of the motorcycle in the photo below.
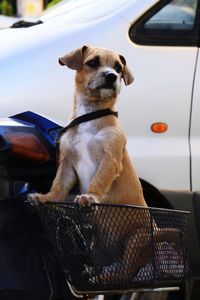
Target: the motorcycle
pixel 29 269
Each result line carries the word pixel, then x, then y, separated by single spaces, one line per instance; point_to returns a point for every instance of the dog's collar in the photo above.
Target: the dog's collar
pixel 85 118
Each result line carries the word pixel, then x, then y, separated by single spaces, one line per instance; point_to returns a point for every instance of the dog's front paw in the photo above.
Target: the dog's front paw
pixel 86 199
pixel 36 198
pixel 33 198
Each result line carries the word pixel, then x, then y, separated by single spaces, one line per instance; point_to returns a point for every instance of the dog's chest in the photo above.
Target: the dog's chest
pixel 85 164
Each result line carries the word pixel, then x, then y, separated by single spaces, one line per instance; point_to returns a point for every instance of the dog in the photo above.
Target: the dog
pixel 94 153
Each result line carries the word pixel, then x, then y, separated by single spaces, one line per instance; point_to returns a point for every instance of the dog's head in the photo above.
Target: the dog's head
pixel 99 71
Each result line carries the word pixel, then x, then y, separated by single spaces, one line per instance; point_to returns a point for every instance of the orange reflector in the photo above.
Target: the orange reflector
pixel 26 145
pixel 159 127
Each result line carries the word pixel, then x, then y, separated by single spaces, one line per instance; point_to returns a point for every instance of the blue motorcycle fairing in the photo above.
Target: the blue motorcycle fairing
pixel 46 127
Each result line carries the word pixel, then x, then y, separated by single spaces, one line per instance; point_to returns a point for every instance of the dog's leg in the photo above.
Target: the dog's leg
pixel 140 249
pixel 62 184
pixel 107 171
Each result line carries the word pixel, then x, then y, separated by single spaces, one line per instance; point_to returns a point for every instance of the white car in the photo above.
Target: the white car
pixel 160 111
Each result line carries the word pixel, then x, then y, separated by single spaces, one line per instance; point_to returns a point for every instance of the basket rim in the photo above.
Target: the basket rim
pixel 67 203
pixel 120 291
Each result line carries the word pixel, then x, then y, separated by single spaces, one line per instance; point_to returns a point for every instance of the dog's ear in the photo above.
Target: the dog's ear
pixel 126 74
pixel 73 60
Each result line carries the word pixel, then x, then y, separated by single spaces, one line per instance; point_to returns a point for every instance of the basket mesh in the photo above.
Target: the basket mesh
pixel 117 247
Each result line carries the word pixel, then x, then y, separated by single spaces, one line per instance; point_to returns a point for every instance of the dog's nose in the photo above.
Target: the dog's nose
pixel 110 78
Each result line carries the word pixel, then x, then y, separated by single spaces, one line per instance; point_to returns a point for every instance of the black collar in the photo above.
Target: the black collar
pixel 85 118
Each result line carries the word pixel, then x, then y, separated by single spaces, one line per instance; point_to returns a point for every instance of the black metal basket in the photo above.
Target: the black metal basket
pixel 117 247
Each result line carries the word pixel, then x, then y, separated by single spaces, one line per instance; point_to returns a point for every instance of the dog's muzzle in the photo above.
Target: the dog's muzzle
pixel 104 85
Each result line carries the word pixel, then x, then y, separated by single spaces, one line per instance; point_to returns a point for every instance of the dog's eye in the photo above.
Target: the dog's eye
pixel 93 63
pixel 118 68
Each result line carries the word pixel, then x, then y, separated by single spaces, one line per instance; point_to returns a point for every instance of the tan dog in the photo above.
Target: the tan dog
pixel 95 152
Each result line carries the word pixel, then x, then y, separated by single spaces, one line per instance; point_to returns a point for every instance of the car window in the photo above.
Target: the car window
pixel 168 23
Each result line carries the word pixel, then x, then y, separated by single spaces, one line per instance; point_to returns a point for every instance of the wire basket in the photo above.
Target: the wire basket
pixel 117 247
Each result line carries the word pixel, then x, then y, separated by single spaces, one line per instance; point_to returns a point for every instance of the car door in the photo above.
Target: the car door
pixel 195 131
pixel 163 52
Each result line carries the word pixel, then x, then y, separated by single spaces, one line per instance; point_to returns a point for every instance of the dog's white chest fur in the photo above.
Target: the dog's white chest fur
pixel 85 165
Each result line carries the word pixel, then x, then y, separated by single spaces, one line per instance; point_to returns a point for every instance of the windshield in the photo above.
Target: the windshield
pixel 63 7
